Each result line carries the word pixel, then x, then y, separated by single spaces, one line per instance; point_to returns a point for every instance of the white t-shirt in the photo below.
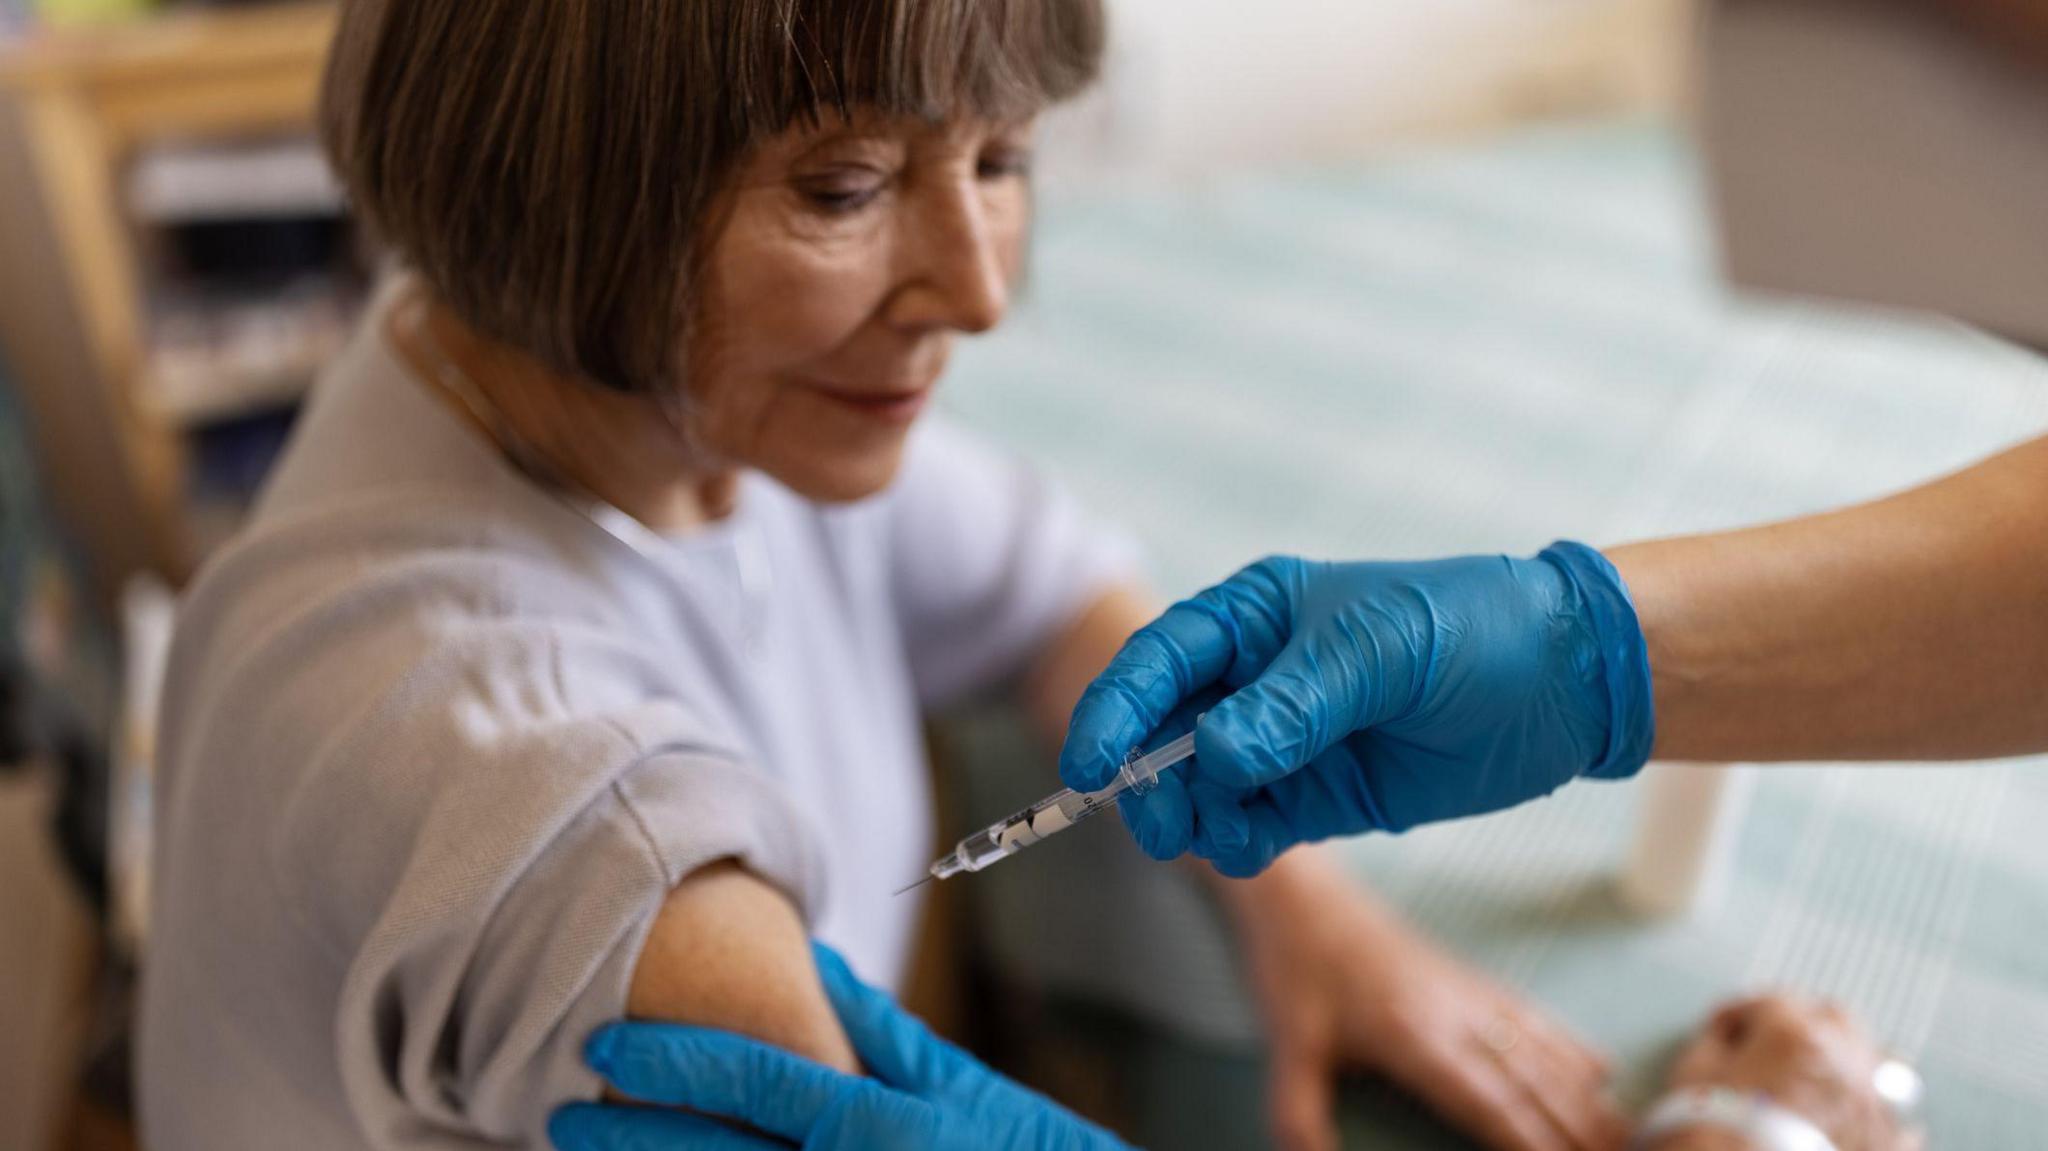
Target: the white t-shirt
pixel 436 743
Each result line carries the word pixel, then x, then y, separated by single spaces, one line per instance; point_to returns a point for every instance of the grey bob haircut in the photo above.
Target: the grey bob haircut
pixel 552 167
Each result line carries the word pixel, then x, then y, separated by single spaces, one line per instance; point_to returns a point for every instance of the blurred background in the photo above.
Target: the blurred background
pixel 1357 277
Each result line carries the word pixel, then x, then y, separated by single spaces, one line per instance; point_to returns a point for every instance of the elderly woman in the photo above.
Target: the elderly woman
pixel 571 666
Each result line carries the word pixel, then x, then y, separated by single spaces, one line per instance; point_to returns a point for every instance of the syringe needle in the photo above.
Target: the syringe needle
pixel 914 886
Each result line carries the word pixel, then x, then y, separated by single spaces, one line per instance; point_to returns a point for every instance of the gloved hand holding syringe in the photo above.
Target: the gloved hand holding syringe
pixel 1057 812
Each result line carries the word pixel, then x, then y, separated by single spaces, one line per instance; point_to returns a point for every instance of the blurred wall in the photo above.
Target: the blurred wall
pixel 1204 86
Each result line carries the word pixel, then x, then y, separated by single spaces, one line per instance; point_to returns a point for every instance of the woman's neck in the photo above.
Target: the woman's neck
pixel 622 449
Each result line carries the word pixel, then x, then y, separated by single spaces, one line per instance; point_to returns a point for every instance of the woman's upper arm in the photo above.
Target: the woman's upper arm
pixel 728 950
pixel 1079 653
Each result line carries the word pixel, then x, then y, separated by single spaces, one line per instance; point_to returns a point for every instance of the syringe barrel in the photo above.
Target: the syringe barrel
pixel 1061 810
pixel 1049 816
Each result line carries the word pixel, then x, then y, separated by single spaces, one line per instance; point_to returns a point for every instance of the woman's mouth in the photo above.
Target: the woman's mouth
pixel 890 407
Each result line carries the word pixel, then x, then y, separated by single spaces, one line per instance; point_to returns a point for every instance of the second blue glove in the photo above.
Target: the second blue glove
pixel 927 1095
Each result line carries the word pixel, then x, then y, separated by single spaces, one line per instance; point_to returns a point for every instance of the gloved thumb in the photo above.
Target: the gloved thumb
pixel 894 1045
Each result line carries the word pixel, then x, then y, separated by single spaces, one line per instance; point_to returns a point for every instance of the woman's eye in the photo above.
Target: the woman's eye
pixel 1005 163
pixel 841 196
pixel 841 203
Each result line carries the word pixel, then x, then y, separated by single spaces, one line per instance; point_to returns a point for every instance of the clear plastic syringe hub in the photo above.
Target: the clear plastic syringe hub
pixel 1140 772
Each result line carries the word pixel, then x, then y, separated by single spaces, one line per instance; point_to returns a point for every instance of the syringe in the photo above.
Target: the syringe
pixel 1056 813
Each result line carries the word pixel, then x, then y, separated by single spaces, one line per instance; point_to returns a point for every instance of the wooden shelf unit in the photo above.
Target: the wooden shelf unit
pixel 83 103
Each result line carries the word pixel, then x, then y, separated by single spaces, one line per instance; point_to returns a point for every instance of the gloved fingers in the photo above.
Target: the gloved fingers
pixel 1184 718
pixel 1165 828
pixel 1186 649
pixel 903 1052
pixel 1260 600
pixel 592 1127
pixel 1302 703
pixel 1163 819
pixel 718 1073
pixel 1338 793
pixel 1221 827
pixel 892 1043
pixel 1268 834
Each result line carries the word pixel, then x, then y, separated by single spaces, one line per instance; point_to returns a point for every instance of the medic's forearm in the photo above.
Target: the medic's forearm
pixel 1915 627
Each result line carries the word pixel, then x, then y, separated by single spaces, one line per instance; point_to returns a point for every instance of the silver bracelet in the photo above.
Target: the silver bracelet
pixel 1750 1114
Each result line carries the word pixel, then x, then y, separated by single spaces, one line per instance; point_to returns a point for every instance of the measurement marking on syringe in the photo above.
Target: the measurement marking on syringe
pixel 1057 812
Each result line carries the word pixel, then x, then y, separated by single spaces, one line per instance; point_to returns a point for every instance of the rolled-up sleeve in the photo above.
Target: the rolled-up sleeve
pixel 555 959
pixel 493 893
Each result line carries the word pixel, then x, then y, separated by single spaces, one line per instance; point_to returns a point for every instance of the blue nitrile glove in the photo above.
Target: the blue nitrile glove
pixel 1350 697
pixel 927 1095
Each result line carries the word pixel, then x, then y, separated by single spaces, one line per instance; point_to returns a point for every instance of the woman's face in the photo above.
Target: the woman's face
pixel 850 257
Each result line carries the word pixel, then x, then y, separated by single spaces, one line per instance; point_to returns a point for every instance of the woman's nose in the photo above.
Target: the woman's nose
pixel 961 277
